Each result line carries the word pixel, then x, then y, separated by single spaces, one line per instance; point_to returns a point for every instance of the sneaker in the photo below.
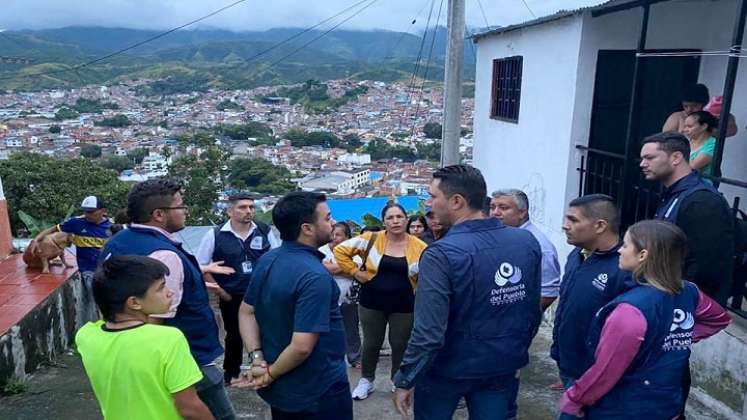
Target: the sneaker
pixel 394 387
pixel 363 390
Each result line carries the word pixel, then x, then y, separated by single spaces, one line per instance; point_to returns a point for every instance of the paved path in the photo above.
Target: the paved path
pixel 63 392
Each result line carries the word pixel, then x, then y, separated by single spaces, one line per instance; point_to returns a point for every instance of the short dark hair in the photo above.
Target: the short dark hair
pixel 670 142
pixel 464 180
pixel 417 217
pixel 121 277
pixel 599 207
pixel 147 196
pixel 233 198
pixel 705 117
pixel 696 93
pixel 389 205
pixel 293 210
pixel 345 229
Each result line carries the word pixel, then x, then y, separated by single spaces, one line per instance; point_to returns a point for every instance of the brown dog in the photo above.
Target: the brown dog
pixel 45 252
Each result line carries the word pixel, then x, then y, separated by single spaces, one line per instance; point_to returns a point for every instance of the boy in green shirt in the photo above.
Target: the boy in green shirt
pixel 138 370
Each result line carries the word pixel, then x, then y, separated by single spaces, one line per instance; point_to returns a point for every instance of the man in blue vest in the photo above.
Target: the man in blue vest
pixel 477 307
pixel 237 244
pixel 697 208
pixel 592 278
pixel 291 319
pixel 157 212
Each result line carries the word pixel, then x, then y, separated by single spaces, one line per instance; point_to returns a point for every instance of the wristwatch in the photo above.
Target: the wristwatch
pixel 257 355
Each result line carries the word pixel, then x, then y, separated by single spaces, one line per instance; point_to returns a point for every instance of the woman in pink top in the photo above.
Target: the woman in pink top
pixel 643 337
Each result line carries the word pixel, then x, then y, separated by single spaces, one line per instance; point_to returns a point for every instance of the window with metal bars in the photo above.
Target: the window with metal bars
pixel 506 94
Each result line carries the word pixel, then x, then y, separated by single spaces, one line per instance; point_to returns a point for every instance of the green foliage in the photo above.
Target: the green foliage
pixel 371 220
pixel 35 226
pixel 264 217
pixel 253 129
pixel 14 387
pixel 119 120
pixel 300 138
pixel 137 155
pixel 229 105
pixel 203 177
pixel 260 176
pixel 118 163
pixel 172 85
pixel 45 187
pixel 468 90
pixel 55 129
pixel 352 140
pixel 433 130
pixel 65 113
pixel 92 106
pixel 379 149
pixel 90 151
pixel 430 152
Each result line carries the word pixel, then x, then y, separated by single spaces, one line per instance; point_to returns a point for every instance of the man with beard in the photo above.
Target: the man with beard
pixel 157 212
pixel 291 320
pixel 237 244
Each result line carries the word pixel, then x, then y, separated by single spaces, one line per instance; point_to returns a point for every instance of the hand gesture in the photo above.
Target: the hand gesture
pixel 403 401
pixel 217 267
pixel 215 288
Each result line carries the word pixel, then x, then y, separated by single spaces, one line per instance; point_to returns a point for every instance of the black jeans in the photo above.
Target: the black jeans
pixel 335 404
pixel 234 346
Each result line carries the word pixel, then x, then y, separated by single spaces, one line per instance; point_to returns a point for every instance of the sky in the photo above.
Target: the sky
pixel 252 15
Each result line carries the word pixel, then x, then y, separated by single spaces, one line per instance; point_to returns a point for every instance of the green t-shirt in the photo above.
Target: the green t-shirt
pixel 708 148
pixel 134 371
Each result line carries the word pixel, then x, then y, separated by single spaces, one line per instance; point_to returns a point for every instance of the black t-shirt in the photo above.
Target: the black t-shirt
pixel 390 290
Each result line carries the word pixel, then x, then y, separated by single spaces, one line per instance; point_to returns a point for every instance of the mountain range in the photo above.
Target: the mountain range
pixel 217 58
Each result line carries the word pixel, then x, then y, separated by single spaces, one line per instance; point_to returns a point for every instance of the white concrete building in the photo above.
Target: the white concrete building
pixel 573 78
pixel 338 182
pixel 154 162
pixel 358 159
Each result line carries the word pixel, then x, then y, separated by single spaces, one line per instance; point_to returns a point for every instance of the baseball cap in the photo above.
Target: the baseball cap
pixel 92 203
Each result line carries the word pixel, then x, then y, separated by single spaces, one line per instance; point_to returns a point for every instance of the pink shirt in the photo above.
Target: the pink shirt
pixel 621 337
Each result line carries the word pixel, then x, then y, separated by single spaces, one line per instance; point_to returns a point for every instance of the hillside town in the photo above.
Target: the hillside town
pixel 122 120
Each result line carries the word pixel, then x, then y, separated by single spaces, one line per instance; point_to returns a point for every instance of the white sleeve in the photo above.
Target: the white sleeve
pixel 207 246
pixel 174 280
pixel 273 240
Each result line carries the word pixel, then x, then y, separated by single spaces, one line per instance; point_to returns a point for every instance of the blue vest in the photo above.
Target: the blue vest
pixel 587 286
pixel 674 196
pixel 495 299
pixel 651 388
pixel 194 316
pixel 240 255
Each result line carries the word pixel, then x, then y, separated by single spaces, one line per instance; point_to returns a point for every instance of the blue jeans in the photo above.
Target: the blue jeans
pixel 212 392
pixel 490 398
pixel 568 382
pixel 335 404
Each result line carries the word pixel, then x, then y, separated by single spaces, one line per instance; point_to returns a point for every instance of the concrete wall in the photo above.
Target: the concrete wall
pixel 534 154
pixel 45 332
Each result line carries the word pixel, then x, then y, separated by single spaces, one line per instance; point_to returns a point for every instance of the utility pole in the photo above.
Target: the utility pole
pixel 452 110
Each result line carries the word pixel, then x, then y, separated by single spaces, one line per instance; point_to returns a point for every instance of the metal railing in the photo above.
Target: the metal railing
pixel 601 172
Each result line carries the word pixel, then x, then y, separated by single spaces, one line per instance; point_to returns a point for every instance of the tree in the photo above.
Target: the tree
pixel 432 130
pixel 137 155
pixel 90 151
pixel 260 176
pixel 254 129
pixel 118 163
pixel 65 113
pixel 55 129
pixel 228 104
pixel 46 188
pixel 202 177
pixel 429 151
pixel 115 121
pixel 353 140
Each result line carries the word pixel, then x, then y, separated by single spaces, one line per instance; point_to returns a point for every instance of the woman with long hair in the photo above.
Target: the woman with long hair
pixel 417 225
pixel 387 297
pixel 642 338
pixel 699 128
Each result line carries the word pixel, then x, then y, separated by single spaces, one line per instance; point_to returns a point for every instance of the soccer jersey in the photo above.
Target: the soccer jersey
pixel 88 239
pixel 134 371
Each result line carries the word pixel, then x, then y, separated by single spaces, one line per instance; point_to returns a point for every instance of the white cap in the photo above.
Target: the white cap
pixel 91 203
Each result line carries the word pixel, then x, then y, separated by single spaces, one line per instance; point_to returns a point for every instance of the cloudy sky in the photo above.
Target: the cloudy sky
pixel 261 14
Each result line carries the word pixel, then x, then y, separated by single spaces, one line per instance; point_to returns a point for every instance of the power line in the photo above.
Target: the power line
pixel 411 85
pixel 427 65
pixel 529 8
pixel 131 47
pixel 324 33
pixel 484 16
